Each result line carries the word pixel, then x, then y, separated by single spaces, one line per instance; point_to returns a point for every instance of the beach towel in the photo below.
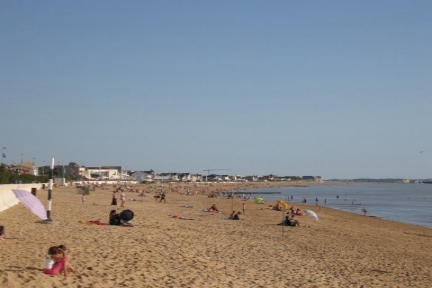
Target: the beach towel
pixel 96 221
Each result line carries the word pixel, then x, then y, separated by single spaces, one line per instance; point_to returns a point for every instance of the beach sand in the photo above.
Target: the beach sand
pixel 338 250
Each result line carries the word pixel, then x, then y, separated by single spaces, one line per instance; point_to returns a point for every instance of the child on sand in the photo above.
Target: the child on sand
pixel 63 247
pixel 56 262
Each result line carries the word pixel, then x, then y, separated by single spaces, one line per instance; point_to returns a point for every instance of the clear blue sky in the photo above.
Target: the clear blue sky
pixel 340 89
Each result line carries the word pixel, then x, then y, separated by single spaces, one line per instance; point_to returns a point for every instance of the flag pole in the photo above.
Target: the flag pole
pixel 50 187
pixel 3 154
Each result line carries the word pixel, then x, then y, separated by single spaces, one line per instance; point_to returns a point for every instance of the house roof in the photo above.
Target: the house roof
pixel 24 165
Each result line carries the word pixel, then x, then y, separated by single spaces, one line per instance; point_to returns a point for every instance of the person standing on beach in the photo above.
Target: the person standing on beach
pixel 162 197
pixel 244 208
pixel 122 199
pixel 114 198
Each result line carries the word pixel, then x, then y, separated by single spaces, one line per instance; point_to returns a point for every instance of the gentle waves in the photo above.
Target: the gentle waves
pixel 407 203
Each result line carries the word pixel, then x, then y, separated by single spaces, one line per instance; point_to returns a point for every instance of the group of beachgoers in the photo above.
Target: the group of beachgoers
pixel 56 261
pixel 289 219
pixel 235 215
pixel 122 198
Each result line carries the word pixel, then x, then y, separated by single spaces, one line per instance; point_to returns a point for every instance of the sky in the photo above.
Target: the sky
pixel 338 89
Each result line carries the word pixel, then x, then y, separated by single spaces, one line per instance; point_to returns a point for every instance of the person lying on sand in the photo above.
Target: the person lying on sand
pixel 275 207
pixel 181 217
pixel 213 208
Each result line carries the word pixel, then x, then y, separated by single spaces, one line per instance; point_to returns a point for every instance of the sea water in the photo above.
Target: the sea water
pixel 407 203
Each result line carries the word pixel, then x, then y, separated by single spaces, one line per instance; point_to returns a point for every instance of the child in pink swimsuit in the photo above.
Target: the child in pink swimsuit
pixel 56 262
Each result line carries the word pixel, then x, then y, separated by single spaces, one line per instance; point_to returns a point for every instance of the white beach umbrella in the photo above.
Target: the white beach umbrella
pixel 311 214
pixel 31 202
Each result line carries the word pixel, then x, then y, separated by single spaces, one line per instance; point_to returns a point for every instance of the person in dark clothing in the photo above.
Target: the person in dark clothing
pixel 236 216
pixel 162 197
pixel 114 198
pixel 2 232
pixel 290 221
pixel 114 218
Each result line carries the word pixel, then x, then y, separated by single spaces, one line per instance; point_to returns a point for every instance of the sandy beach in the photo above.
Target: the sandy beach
pixel 338 250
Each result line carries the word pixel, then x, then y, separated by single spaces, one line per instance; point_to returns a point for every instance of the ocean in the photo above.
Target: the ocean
pixel 407 203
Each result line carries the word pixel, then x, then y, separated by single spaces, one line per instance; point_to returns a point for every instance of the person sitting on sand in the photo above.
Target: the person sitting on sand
pixel 292 221
pixel 114 218
pixel 213 208
pixel 232 215
pixel 292 211
pixel 56 261
pixel 298 212
pixel 63 247
pixel 236 216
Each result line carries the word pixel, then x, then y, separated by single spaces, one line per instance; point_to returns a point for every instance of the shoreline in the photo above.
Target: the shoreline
pixel 338 207
pixel 341 249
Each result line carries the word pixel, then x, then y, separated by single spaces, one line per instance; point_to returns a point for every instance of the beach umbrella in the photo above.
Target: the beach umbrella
pixel 31 202
pixel 126 215
pixel 283 204
pixel 311 214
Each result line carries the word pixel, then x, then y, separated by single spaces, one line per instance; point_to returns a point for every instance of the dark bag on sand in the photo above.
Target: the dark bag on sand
pixel 126 215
